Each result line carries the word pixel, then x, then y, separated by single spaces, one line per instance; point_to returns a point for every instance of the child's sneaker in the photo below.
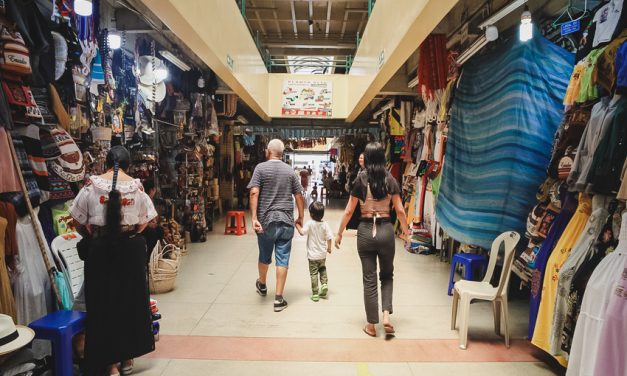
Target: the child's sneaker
pixel 324 290
pixel 315 297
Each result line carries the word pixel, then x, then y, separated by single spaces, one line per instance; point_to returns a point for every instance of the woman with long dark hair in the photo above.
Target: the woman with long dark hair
pixel 111 210
pixel 377 193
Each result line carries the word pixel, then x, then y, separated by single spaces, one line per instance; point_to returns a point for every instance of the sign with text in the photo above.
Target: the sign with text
pixel 307 98
pixel 570 27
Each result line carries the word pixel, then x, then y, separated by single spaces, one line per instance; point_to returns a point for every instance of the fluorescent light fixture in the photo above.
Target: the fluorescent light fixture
pixel 161 74
pixel 472 50
pixel 83 7
pixel 115 41
pixel 172 58
pixel 491 33
pixel 526 26
pixel 502 13
pixel 242 119
pixel 413 83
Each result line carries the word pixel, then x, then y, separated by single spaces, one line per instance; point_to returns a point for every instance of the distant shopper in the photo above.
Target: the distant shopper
pixel 304 179
pixel 375 190
pixel 271 189
pixel 319 236
pixel 362 162
pixel 342 177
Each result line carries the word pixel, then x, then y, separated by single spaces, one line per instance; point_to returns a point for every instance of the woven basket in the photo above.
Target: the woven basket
pixel 163 271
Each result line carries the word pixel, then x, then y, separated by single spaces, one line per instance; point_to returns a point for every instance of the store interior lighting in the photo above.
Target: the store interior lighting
pixel 472 50
pixel 161 74
pixel 169 56
pixel 83 7
pixel 242 119
pixel 509 8
pixel 526 26
pixel 115 41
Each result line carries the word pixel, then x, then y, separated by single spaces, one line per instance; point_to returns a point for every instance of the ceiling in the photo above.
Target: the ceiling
pixel 311 29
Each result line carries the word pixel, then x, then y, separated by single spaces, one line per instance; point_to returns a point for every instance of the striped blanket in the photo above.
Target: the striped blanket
pixel 507 108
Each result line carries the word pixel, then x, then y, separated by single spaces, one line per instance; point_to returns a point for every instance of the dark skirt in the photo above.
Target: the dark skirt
pixel 119 323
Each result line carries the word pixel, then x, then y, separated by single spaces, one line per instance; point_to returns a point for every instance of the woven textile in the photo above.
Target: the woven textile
pixel 504 116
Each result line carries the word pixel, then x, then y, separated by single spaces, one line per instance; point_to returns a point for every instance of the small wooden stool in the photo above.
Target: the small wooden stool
pixel 235 223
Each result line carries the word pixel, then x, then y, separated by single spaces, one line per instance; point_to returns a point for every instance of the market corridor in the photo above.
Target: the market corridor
pixel 214 323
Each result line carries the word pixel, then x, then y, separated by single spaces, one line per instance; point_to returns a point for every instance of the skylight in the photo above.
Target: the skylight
pixel 310 64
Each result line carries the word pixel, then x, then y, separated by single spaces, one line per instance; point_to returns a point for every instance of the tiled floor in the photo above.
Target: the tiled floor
pixel 214 323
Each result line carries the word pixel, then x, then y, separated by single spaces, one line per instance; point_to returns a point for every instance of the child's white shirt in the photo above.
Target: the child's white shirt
pixel 318 234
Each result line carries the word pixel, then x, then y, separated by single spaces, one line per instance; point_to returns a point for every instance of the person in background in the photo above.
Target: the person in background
pixel 271 189
pixel 342 177
pixel 319 236
pixel 153 232
pixel 111 210
pixel 304 179
pixel 376 191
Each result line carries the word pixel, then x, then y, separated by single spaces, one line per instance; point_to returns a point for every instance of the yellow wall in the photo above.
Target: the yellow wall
pixel 339 82
pixel 214 29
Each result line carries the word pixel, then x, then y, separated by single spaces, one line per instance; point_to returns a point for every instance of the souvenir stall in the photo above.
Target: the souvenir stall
pixel 72 89
pixel 575 257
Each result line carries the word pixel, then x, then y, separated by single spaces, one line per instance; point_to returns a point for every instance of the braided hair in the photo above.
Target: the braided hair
pixel 118 157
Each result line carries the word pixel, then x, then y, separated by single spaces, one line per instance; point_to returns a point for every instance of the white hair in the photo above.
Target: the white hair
pixel 276 147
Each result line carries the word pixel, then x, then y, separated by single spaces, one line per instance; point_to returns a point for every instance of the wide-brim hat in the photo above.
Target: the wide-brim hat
pixel 152 93
pixel 69 165
pixel 146 74
pixel 13 337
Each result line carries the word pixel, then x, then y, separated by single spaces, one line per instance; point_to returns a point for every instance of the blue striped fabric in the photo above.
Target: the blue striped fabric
pixel 506 110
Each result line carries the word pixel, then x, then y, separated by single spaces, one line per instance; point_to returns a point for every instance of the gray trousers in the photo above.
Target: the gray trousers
pixel 370 249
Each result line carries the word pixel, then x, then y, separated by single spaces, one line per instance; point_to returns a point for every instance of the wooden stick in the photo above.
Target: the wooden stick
pixel 33 220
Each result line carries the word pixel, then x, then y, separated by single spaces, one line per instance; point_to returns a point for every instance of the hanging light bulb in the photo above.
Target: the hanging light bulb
pixel 115 41
pixel 83 7
pixel 526 26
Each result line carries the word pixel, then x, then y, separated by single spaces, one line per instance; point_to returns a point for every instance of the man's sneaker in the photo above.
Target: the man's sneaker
pixel 324 290
pixel 261 288
pixel 315 297
pixel 280 305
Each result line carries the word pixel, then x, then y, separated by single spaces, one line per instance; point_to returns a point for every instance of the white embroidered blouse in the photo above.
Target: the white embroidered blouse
pixel 89 205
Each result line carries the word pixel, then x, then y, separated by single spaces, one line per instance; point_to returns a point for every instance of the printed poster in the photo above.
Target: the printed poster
pixel 307 98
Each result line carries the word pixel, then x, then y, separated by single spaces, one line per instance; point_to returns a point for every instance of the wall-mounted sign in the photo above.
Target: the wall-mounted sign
pixel 307 98
pixel 381 59
pixel 229 61
pixel 570 27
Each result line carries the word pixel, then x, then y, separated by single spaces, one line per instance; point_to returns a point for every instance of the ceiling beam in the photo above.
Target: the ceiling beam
pixel 294 18
pixel 310 19
pixel 263 29
pixel 311 46
pixel 328 25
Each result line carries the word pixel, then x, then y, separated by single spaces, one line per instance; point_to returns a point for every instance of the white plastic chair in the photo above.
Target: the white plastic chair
pixel 64 247
pixel 466 291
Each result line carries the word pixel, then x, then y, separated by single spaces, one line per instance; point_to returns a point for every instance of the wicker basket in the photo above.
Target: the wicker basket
pixel 163 271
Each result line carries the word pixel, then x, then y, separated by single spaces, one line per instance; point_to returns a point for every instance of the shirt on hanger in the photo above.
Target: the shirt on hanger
pixel 606 19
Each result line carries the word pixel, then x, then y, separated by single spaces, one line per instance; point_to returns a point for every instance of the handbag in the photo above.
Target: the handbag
pixel 21 98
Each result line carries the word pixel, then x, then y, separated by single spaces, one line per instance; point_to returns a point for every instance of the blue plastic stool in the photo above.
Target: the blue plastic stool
pixel 470 262
pixel 60 327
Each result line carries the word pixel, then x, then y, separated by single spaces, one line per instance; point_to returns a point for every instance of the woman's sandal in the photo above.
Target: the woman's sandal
pixel 368 332
pixel 389 328
pixel 128 368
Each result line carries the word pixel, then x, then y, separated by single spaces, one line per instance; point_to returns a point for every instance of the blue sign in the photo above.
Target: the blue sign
pixel 570 27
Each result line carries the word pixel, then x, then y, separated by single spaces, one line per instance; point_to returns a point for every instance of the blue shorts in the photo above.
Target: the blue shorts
pixel 277 237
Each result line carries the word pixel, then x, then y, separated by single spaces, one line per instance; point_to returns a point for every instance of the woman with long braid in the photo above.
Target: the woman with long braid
pixel 111 210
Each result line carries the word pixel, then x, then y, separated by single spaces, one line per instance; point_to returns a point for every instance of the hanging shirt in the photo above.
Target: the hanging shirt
pixel 588 89
pixel 606 20
pixel 587 339
pixel 542 333
pixel 578 255
pixel 89 207
pixel 574 85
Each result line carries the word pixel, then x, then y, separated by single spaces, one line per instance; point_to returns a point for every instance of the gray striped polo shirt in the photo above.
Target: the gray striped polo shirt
pixel 277 184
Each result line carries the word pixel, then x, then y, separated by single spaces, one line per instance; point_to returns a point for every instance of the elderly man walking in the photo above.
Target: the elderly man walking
pixel 271 189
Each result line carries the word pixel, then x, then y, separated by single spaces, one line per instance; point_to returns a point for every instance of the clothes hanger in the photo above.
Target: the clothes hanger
pixel 569 11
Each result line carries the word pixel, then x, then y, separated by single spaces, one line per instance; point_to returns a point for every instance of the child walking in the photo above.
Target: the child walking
pixel 319 236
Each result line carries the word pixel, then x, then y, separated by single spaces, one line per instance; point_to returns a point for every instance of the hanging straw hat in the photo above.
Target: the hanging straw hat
pixel 13 337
